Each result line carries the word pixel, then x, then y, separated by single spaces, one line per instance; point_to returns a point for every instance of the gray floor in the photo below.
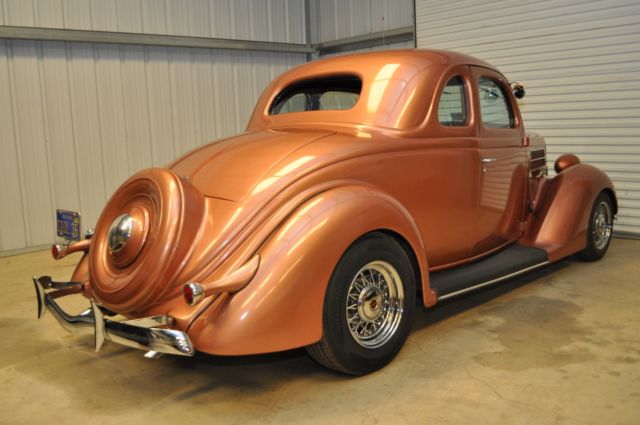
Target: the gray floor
pixel 558 346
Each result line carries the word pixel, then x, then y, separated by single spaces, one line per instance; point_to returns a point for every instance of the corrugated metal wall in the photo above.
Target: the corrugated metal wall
pixel 337 19
pixel 401 45
pixel 263 20
pixel 77 119
pixel 580 63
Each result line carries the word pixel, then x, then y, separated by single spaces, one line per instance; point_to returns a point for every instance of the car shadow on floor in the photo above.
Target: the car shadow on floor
pixel 448 308
pixel 121 378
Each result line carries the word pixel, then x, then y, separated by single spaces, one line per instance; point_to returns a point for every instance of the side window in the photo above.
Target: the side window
pixel 452 109
pixel 337 100
pixel 295 103
pixel 494 106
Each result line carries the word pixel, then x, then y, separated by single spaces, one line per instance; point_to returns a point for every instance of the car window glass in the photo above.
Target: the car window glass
pixel 318 94
pixel 494 106
pixel 295 103
pixel 452 111
pixel 337 100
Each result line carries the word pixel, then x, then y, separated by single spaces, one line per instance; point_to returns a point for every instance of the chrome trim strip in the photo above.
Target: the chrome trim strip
pixel 491 282
pixel 137 333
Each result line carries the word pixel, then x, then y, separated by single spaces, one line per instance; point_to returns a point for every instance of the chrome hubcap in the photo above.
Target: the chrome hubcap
pixel 375 303
pixel 120 232
pixel 602 225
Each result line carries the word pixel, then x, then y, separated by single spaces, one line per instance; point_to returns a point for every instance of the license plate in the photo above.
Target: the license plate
pixel 68 224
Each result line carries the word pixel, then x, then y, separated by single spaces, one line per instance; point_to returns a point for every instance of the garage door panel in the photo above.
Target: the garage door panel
pixel 495 34
pixel 526 15
pixel 573 40
pixel 597 149
pixel 580 63
pixel 587 92
pixel 586 141
pixel 444 16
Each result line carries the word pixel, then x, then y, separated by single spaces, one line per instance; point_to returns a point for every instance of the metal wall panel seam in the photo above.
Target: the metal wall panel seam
pixel 15 217
pixel 100 124
pixel 121 58
pixel 47 141
pixel 16 132
pixel 154 160
pixel 286 19
pixel 20 12
pixel 67 49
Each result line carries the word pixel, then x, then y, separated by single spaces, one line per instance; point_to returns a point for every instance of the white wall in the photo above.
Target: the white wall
pixel 580 63
pixel 264 20
pixel 77 119
pixel 337 19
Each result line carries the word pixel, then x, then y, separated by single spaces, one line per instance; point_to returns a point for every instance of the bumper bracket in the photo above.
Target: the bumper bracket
pixel 149 333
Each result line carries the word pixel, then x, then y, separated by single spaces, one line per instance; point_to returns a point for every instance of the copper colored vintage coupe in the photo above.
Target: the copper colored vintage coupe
pixel 361 183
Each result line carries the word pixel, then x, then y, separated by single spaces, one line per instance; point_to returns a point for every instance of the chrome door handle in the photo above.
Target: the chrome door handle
pixel 488 160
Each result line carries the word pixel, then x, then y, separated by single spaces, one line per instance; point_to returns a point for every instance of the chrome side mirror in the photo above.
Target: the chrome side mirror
pixel 518 90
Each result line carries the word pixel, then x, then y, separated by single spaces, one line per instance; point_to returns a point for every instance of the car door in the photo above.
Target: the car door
pixel 502 154
pixel 449 166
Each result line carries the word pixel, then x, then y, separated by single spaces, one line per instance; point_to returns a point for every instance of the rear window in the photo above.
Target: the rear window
pixel 318 94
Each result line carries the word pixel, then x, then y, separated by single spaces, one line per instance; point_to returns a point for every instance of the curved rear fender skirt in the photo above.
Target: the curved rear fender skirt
pixel 560 220
pixel 281 308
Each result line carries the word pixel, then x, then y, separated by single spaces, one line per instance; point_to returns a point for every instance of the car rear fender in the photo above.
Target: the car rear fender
pixel 281 308
pixel 560 219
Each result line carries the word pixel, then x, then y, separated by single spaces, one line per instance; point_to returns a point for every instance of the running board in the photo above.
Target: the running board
pixel 508 263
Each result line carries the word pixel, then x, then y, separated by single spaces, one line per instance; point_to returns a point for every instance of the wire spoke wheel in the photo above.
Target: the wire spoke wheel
pixel 600 228
pixel 375 302
pixel 602 225
pixel 368 306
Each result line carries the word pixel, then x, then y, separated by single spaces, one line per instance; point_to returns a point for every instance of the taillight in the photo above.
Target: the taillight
pixel 193 293
pixel 56 250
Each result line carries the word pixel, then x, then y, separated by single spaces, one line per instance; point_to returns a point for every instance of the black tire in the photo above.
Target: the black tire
pixel 352 350
pixel 600 228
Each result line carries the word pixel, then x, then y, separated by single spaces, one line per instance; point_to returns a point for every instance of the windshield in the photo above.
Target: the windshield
pixel 318 94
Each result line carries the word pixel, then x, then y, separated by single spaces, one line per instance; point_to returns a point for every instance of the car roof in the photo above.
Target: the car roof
pixel 381 57
pixel 389 77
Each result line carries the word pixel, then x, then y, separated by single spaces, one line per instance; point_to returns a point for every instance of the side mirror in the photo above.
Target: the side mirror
pixel 518 90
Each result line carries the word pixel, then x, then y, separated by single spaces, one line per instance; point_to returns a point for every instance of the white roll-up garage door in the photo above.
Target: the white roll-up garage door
pixel 580 63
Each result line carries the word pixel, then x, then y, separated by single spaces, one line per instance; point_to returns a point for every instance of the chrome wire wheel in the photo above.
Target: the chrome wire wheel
pixel 602 225
pixel 375 302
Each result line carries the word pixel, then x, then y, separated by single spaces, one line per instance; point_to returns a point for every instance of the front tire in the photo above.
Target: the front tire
pixel 368 307
pixel 600 229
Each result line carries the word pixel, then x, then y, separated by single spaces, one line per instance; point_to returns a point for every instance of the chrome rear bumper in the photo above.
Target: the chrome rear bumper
pixel 150 333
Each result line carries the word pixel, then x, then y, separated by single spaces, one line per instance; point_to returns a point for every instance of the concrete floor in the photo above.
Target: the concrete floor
pixel 558 346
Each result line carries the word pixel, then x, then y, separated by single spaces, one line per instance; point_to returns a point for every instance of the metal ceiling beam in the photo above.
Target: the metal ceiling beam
pixel 108 37
pixel 367 40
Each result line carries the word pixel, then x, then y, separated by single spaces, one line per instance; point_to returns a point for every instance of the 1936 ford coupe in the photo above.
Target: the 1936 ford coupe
pixel 361 183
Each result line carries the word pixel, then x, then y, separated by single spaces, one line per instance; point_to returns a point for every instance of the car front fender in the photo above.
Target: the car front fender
pixel 560 219
pixel 281 308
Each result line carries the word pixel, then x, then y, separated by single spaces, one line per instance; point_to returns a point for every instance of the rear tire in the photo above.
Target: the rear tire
pixel 600 229
pixel 368 307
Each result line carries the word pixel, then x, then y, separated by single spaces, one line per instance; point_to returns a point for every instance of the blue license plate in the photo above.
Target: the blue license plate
pixel 68 224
